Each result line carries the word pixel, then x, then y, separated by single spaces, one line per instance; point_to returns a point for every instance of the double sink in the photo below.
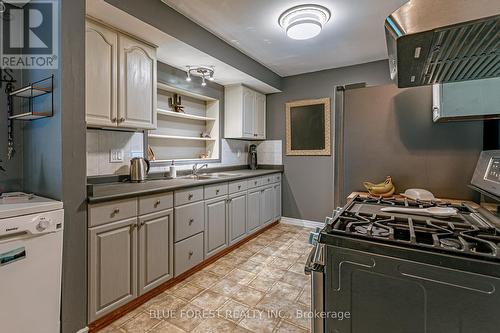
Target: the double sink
pixel 205 176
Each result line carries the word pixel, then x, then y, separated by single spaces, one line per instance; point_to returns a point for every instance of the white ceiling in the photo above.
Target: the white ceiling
pixel 355 33
pixel 170 50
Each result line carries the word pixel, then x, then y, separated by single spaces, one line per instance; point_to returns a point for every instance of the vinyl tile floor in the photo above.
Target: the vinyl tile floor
pixel 259 287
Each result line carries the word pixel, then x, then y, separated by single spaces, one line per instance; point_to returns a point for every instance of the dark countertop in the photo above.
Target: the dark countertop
pixel 99 192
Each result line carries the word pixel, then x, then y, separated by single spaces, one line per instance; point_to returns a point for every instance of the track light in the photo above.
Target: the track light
pixel 201 71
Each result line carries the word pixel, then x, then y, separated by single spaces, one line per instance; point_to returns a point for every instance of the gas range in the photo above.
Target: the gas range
pixel 469 233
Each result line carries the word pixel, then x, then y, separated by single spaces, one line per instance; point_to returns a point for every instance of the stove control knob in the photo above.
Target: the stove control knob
pixel 43 224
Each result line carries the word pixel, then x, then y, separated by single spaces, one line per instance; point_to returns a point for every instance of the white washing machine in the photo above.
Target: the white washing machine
pixel 31 236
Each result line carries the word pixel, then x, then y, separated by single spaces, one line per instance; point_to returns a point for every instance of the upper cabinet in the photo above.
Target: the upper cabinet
pixel 120 79
pixel 245 113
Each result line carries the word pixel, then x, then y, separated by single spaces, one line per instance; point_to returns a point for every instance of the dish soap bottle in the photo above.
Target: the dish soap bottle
pixel 173 170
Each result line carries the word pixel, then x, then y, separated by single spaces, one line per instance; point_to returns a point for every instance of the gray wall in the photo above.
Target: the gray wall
pixel 308 182
pixel 12 178
pixel 54 157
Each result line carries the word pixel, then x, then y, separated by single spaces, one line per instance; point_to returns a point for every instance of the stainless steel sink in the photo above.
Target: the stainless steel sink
pixel 205 176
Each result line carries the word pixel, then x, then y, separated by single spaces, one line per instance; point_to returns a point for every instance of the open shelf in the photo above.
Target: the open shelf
pixel 179 134
pixel 179 137
pixel 183 115
pixel 25 98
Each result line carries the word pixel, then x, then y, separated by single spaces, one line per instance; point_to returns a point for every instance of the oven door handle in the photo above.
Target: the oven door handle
pixel 314 261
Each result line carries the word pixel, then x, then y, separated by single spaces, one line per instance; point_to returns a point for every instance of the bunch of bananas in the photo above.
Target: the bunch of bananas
pixel 384 189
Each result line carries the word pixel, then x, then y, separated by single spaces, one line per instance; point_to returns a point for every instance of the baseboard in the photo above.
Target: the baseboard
pixel 302 223
pixel 83 330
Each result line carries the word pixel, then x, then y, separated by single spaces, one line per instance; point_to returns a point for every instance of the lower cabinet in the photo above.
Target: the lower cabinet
pixel 237 216
pixel 216 237
pixel 188 253
pixel 267 205
pixel 128 258
pixel 155 250
pixel 277 201
pixel 112 266
pixel 253 209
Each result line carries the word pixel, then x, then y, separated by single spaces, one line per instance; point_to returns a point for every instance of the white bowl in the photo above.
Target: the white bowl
pixel 418 194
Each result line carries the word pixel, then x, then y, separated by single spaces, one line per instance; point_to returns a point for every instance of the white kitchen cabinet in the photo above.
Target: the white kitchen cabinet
pixel 120 79
pixel 245 113
pixel 137 84
pixel 101 103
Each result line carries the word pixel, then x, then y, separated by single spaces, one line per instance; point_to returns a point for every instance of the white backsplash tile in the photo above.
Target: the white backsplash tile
pixel 101 142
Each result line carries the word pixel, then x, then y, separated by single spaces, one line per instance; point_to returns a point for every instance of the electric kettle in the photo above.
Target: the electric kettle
pixel 139 168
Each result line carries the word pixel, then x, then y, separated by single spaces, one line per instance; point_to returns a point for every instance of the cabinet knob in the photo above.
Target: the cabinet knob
pixel 121 120
pixel 133 226
pixel 142 224
pixel 157 203
pixel 217 191
pixel 239 187
pixel 116 211
pixel 191 221
pixel 191 253
pixel 113 120
pixel 255 182
pixel 190 196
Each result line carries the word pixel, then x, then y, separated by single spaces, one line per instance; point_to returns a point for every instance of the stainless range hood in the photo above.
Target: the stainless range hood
pixel 436 41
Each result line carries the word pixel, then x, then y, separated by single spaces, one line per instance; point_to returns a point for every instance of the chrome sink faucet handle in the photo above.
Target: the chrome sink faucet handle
pixel 196 169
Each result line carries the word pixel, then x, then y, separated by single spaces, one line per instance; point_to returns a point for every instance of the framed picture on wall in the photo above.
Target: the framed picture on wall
pixel 307 127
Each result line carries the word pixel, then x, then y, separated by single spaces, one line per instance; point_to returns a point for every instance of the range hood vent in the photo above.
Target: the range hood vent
pixel 444 41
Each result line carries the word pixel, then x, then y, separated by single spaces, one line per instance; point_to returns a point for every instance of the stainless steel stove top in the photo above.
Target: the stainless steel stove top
pixel 468 233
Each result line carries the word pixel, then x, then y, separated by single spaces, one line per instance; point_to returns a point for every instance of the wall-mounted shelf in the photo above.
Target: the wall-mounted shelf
pixel 29 94
pixel 179 137
pixel 178 134
pixel 183 115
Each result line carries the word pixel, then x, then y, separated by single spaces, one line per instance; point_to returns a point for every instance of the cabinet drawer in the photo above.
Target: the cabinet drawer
pixel 188 253
pixel 189 220
pixel 266 180
pixel 277 177
pixel 237 186
pixel 254 182
pixel 105 212
pixel 188 195
pixel 155 203
pixel 215 190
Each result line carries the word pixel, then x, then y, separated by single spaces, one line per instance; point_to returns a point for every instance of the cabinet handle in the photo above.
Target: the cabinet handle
pixel 191 253
pixel 217 191
pixel 239 187
pixel 157 203
pixel 255 182
pixel 142 224
pixel 113 120
pixel 255 135
pixel 116 211
pixel 191 221
pixel 190 196
pixel 121 120
pixel 133 226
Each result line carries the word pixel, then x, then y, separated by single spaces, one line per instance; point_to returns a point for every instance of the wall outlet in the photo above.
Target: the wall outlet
pixel 116 156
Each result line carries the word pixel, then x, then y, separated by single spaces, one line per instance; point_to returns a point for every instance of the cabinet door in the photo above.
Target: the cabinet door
pixel 155 249
pixel 237 214
pixel 260 116
pixel 267 205
pixel 137 107
pixel 253 209
pixel 277 201
pixel 112 266
pixel 248 113
pixel 101 63
pixel 215 225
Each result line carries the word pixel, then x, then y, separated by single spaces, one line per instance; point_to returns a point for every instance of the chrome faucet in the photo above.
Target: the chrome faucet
pixel 196 169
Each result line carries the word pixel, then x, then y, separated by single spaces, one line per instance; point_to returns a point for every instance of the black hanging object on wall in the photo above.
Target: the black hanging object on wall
pixel 175 103
pixel 7 77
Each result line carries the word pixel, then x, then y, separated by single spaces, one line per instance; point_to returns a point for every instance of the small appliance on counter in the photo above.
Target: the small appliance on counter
pixel 139 168
pixel 252 157
pixel 396 269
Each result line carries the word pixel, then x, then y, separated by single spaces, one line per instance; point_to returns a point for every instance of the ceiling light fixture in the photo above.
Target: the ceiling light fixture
pixel 205 72
pixel 304 21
